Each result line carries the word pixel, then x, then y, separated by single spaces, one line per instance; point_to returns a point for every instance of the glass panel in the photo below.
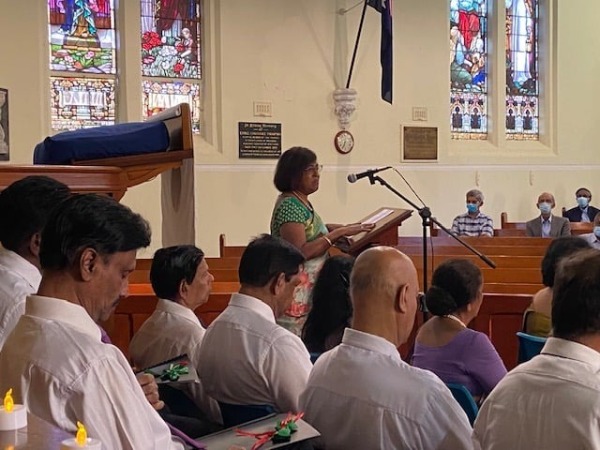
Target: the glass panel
pixel 468 69
pixel 522 84
pixel 171 38
pixel 158 96
pixel 82 102
pixel 82 36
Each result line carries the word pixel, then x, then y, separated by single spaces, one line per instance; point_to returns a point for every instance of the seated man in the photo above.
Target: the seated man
pixel 553 400
pixel 583 212
pixel 361 394
pixel 594 237
pixel 182 282
pixel 547 224
pixel 25 205
pixel 473 222
pixel 54 358
pixel 247 359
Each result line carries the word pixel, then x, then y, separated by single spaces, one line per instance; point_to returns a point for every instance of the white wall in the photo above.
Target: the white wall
pixel 292 53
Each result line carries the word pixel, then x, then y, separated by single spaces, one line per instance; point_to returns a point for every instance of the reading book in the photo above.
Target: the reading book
pixel 175 370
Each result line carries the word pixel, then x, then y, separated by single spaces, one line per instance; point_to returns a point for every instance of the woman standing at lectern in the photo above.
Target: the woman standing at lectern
pixel 295 220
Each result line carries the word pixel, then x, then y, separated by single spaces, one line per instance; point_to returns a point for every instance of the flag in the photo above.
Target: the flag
pixel 384 7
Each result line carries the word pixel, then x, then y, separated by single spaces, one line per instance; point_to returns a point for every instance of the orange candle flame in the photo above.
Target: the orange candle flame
pixel 81 436
pixel 9 404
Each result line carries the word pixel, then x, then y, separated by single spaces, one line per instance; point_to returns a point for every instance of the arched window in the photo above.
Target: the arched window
pixel 82 63
pixel 171 58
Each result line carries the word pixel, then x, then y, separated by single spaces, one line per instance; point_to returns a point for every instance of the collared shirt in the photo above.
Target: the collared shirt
pixel 592 239
pixel 465 225
pixel 584 214
pixel 247 359
pixel 170 331
pixel 18 279
pixel 362 395
pixel 550 402
pixel 546 226
pixel 59 368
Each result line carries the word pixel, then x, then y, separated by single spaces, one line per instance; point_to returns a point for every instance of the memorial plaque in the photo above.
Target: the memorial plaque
pixel 259 140
pixel 420 143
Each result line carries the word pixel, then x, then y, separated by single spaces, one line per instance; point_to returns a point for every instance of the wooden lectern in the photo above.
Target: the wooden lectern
pixel 387 221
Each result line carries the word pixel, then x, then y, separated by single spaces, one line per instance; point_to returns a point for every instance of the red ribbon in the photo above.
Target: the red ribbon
pixel 266 436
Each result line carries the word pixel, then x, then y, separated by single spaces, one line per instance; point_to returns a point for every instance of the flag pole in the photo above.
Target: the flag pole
pixel 360 26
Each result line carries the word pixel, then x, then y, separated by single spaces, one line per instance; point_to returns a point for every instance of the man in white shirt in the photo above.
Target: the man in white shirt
pixel 247 359
pixel 361 394
pixel 25 206
pixel 594 237
pixel 182 282
pixel 54 359
pixel 553 400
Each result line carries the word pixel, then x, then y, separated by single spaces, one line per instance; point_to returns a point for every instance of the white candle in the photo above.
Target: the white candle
pixel 13 420
pixel 90 444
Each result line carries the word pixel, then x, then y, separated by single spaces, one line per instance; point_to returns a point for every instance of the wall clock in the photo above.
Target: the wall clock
pixel 344 142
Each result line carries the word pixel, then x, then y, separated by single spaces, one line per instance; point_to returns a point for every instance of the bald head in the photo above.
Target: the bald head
pixel 383 288
pixel 546 197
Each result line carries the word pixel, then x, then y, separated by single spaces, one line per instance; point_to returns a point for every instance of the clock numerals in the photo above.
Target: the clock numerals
pixel 344 142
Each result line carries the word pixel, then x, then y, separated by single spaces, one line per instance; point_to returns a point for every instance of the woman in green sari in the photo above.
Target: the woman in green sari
pixel 295 220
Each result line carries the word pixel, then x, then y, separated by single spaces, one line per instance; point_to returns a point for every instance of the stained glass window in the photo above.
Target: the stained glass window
pixel 82 41
pixel 170 49
pixel 160 95
pixel 82 102
pixel 522 82
pixel 468 69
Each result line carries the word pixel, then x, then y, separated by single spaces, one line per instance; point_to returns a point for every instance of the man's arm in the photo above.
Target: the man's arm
pixel 566 228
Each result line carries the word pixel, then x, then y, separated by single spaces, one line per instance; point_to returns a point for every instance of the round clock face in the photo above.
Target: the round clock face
pixel 344 142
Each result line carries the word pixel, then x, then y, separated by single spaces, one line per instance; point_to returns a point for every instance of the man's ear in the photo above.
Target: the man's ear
pixel 401 299
pixel 278 284
pixel 88 262
pixel 34 244
pixel 183 289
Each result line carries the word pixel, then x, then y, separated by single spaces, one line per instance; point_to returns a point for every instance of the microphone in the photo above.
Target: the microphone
pixel 354 177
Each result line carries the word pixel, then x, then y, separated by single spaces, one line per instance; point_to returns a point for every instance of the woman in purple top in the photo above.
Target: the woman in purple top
pixel 444 344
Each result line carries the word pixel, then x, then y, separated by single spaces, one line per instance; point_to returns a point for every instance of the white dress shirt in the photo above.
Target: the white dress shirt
pixel 18 279
pixel 170 331
pixel 362 395
pixel 592 239
pixel 58 367
pixel 247 359
pixel 551 402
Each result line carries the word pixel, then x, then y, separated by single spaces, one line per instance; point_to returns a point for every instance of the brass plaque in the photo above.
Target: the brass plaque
pixel 420 143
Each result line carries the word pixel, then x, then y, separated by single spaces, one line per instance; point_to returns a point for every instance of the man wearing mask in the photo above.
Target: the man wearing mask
pixel 473 222
pixel 583 212
pixel 594 237
pixel 547 224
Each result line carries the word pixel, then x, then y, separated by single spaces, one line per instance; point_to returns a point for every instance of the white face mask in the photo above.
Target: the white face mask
pixel 545 207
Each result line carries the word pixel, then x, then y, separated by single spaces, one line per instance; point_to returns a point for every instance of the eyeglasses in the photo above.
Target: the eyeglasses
pixel 421 302
pixel 315 168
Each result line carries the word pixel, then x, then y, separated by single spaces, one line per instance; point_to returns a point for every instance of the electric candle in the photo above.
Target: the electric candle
pixel 12 417
pixel 81 441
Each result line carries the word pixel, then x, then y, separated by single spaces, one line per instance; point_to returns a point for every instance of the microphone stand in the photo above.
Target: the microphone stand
pixel 426 217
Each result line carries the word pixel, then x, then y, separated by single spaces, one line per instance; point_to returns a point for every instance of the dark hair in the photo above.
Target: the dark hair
pixel 331 305
pixel 576 295
pixel 583 189
pixel 90 221
pixel 266 257
pixel 455 283
pixel 290 167
pixel 172 265
pixel 25 206
pixel 558 249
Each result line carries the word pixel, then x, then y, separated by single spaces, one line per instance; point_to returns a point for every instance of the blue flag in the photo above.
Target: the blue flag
pixel 384 7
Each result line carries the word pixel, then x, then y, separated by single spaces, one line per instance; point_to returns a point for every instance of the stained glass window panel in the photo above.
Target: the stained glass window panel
pixel 171 38
pixel 522 81
pixel 468 69
pixel 158 96
pixel 82 102
pixel 82 36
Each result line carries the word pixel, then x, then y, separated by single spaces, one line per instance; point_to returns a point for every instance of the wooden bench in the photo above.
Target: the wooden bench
pixel 577 228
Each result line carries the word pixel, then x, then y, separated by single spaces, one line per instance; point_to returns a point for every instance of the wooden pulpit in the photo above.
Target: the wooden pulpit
pixel 386 220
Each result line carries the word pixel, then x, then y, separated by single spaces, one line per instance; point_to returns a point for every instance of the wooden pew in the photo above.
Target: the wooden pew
pixel 577 228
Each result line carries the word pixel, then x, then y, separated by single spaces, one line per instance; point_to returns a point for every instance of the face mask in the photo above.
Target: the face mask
pixel 545 207
pixel 597 231
pixel 582 201
pixel 472 207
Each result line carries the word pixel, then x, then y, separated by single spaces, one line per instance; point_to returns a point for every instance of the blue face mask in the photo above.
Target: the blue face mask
pixel 545 207
pixel 597 231
pixel 582 201
pixel 472 207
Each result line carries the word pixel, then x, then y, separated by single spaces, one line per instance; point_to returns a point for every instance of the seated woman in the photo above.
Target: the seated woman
pixel 444 344
pixel 331 307
pixel 295 220
pixel 536 320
